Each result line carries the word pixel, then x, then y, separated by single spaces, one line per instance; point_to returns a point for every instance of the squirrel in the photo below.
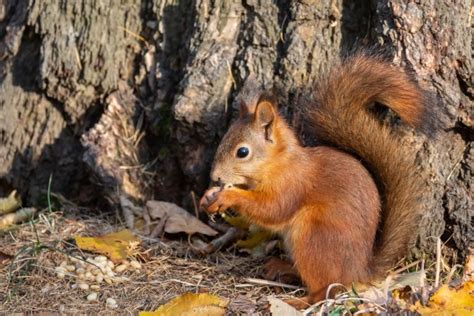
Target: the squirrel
pixel 342 220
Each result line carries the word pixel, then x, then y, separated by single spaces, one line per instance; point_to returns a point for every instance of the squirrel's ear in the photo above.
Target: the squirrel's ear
pixel 265 116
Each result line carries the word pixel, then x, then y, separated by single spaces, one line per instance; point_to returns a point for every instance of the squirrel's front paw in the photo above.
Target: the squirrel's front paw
pixel 215 200
pixel 209 197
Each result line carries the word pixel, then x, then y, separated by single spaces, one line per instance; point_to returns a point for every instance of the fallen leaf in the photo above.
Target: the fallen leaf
pixel 392 282
pixel 117 246
pixel 178 219
pixel 401 287
pixel 254 239
pixel 449 301
pixel 10 203
pixel 242 305
pixel 280 308
pixel 236 221
pixel 6 221
pixel 375 295
pixel 191 304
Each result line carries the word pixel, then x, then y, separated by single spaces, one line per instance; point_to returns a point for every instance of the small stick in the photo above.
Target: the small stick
pixel 438 261
pixel 135 35
pixel 451 273
pixel 332 286
pixel 387 287
pixel 406 267
pixel 220 227
pixel 271 283
pixel 196 209
pixel 424 290
pixel 229 68
pixel 230 235
pixel 422 279
pixel 168 280
pixel 159 227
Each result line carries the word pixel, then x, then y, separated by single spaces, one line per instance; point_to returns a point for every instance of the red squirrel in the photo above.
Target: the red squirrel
pixel 323 201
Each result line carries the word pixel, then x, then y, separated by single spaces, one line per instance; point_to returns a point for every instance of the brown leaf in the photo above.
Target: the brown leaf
pixel 280 308
pixel 178 219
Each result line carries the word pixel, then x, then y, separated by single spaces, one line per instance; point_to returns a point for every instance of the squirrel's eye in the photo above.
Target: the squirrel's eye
pixel 242 152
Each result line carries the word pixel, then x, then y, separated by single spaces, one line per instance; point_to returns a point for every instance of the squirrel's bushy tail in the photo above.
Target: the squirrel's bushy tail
pixel 340 116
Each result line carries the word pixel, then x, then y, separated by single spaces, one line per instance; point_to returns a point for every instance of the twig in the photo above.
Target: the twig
pixel 406 267
pixel 387 286
pixel 78 58
pixel 422 279
pixel 332 286
pixel 438 261
pixel 231 235
pixel 168 280
pixel 159 227
pixel 451 273
pixel 196 209
pixel 135 35
pixel 229 68
pixel 50 208
pixel 424 289
pixel 457 163
pixel 271 283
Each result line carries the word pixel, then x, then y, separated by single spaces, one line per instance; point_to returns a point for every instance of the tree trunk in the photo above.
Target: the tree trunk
pixel 136 96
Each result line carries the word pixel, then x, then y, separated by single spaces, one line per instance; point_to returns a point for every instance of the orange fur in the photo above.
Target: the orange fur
pixel 322 200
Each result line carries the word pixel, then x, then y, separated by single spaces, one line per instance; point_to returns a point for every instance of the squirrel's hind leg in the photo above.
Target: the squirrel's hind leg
pixel 306 301
pixel 280 270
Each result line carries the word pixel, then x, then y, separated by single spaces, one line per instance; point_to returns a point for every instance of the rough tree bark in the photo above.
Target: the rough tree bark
pixel 136 94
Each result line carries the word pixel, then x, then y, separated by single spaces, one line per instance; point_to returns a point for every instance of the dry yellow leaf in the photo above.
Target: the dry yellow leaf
pixel 254 239
pixel 449 301
pixel 10 203
pixel 191 304
pixel 6 221
pixel 117 246
pixel 237 221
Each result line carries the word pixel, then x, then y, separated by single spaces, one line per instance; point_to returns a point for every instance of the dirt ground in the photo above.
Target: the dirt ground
pixel 29 283
pixel 169 268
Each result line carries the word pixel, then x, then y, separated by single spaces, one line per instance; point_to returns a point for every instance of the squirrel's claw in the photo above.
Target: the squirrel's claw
pixel 209 198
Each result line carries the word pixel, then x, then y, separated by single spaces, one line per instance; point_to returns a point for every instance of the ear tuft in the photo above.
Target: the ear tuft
pixel 243 109
pixel 249 96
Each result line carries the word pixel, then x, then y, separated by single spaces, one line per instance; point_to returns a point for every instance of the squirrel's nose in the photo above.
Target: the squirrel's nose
pixel 215 177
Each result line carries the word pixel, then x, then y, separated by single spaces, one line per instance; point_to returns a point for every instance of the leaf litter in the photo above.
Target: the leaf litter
pixel 170 269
